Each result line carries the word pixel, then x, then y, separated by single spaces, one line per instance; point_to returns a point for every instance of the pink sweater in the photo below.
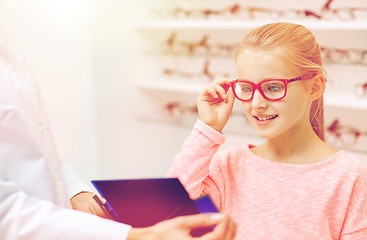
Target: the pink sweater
pixel 271 200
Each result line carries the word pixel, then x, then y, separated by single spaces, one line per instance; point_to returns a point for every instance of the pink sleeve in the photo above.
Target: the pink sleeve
pixel 191 165
pixel 355 222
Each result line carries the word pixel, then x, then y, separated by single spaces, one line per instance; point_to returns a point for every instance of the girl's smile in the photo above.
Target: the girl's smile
pixel 263 120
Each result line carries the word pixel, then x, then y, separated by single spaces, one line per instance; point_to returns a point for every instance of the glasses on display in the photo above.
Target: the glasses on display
pixel 252 12
pixel 206 73
pixel 361 89
pixel 179 12
pixel 347 135
pixel 179 111
pixel 338 55
pixel 326 13
pixel 178 46
pixel 201 46
pixel 345 13
pixel 271 89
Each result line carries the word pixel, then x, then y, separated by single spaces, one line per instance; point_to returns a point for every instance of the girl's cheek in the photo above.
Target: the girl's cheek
pixel 247 109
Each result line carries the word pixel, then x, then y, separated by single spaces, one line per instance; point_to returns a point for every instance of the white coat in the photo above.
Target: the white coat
pixel 35 185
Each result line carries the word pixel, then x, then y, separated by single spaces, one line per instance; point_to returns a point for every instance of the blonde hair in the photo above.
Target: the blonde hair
pixel 296 45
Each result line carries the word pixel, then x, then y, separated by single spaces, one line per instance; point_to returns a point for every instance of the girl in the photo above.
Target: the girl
pixel 292 186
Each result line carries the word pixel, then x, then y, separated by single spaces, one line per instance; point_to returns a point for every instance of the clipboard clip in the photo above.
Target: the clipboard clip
pixel 110 213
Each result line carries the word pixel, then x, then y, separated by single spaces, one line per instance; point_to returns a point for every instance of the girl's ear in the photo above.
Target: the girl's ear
pixel 317 88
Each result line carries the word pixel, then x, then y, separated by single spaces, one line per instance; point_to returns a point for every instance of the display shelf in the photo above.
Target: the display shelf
pixel 353 102
pixel 245 24
pixel 248 131
pixel 172 86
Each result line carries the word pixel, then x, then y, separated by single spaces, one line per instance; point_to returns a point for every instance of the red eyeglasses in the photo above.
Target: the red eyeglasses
pixel 271 89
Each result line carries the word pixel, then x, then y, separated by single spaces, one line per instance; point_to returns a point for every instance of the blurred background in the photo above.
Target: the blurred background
pixel 120 78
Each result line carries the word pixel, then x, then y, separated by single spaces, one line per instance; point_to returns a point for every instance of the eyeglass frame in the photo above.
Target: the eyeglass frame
pixel 258 86
pixel 363 88
pixel 338 130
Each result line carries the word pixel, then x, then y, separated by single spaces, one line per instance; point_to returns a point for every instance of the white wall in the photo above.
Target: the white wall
pixel 54 37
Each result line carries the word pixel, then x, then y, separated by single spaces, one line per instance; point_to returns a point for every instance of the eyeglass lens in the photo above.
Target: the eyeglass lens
pixel 271 89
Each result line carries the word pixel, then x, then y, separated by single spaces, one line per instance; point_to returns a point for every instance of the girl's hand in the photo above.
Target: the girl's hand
pixel 215 104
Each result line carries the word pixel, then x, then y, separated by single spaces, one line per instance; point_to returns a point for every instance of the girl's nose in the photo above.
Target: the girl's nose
pixel 258 101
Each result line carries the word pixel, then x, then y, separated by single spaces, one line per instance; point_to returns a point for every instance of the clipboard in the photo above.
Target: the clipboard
pixel 145 202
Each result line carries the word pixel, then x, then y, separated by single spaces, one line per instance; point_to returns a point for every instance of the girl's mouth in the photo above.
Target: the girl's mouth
pixel 265 118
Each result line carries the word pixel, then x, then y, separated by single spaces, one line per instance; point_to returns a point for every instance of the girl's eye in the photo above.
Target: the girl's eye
pixel 246 89
pixel 274 88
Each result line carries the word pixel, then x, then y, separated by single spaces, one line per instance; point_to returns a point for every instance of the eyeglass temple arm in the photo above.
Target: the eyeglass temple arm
pixel 304 77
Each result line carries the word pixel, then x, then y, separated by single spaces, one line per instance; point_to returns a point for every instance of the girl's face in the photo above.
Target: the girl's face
pixel 273 118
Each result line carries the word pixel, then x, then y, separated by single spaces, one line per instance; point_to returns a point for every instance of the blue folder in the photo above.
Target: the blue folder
pixel 145 202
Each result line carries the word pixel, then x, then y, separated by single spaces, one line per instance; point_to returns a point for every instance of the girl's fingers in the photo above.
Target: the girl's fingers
pixel 212 92
pixel 220 91
pixel 219 88
pixel 230 97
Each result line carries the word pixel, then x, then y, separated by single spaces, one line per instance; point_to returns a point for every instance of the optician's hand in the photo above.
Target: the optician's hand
pixel 85 202
pixel 179 228
pixel 215 104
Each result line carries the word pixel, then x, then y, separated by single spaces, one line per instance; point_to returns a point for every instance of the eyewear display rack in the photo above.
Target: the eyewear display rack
pixel 180 65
